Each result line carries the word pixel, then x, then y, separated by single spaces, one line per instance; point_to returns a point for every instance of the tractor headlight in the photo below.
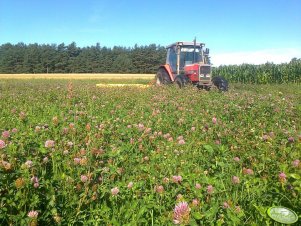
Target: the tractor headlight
pixel 205 75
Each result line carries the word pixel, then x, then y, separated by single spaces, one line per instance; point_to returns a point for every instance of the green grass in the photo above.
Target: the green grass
pixel 107 137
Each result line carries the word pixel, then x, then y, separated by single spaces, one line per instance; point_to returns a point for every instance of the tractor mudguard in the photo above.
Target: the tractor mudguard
pixel 167 68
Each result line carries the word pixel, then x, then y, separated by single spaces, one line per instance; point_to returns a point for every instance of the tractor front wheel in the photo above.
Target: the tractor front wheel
pixel 221 83
pixel 181 81
pixel 162 77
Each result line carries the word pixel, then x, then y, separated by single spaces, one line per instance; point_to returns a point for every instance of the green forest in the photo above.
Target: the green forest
pixel 45 58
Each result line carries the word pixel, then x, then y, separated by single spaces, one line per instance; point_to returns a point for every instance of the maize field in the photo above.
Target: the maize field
pixel 268 73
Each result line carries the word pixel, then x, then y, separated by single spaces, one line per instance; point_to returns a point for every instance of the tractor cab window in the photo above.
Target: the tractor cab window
pixel 172 58
pixel 189 56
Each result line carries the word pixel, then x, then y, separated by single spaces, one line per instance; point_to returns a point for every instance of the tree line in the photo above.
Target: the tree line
pixel 45 58
pixel 36 58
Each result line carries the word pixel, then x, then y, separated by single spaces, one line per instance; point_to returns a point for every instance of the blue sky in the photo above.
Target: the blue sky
pixel 236 31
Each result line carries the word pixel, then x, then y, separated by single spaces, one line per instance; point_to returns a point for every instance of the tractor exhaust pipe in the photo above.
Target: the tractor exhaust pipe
pixel 194 47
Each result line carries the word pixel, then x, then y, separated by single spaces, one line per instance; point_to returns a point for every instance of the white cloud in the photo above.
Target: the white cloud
pixel 276 56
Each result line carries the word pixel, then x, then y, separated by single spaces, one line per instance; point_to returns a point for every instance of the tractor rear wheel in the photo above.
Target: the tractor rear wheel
pixel 221 83
pixel 162 77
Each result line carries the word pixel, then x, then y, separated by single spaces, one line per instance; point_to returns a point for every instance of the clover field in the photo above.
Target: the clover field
pixel 73 153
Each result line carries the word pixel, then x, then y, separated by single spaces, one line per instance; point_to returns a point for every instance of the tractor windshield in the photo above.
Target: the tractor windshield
pixel 190 55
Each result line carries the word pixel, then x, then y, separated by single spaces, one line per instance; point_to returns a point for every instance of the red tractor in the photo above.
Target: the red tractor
pixel 188 63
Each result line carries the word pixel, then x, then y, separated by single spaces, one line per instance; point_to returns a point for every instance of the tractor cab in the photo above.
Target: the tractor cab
pixel 181 54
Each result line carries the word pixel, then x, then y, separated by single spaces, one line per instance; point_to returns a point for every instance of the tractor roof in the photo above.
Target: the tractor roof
pixel 185 44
